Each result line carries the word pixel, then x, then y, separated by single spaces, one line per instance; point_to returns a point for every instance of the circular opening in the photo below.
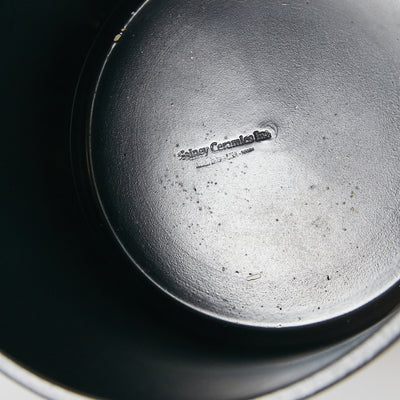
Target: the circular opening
pixel 203 194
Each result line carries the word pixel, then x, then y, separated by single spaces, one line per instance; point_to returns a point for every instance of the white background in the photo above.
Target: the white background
pixel 378 380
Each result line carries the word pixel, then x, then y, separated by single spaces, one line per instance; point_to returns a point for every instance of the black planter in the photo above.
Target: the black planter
pixel 200 198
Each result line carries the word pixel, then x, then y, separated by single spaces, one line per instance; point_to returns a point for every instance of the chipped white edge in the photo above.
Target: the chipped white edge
pixel 133 15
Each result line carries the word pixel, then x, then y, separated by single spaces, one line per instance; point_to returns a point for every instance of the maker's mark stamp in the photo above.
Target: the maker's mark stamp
pixel 217 147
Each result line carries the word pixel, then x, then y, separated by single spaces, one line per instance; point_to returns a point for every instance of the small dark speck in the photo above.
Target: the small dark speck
pixel 277 220
pixel 200 208
pixel 345 229
pixel 312 187
pixel 319 308
pixel 223 268
pixel 323 137
pixel 236 272
pixel 177 145
pixel 219 224
pixel 328 278
pixel 327 188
